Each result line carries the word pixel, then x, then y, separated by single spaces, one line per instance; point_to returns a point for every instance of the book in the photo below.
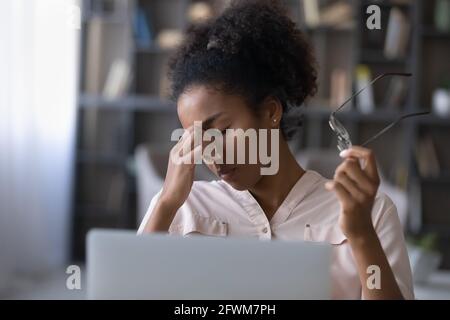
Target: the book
pixel 164 84
pixel 365 100
pixel 397 35
pixel 199 11
pixel 442 15
pixel 337 15
pixel 93 74
pixel 396 93
pixel 118 79
pixel 110 9
pixel 340 89
pixel 311 13
pixel 440 141
pixel 169 38
pixel 142 29
pixel 427 158
pixel 220 6
pixel 106 43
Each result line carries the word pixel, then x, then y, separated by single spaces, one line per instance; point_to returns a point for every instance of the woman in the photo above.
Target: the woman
pixel 250 68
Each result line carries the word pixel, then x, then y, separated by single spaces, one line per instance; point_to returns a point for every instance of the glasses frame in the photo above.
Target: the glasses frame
pixel 343 137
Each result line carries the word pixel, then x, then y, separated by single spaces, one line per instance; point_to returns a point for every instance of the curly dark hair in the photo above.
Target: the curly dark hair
pixel 252 49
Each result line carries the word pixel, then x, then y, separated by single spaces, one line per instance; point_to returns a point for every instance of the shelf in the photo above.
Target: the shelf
pixel 432 119
pixel 431 32
pixel 128 103
pixel 387 3
pixel 109 18
pixel 86 157
pixel 374 57
pixel 442 178
pixel 379 115
pixel 329 29
pixel 153 49
pixel 106 19
pixel 144 118
pixel 97 212
pixel 441 230
pixel 353 115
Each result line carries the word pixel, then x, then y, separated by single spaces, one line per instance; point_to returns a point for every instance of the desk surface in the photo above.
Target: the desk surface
pixel 436 288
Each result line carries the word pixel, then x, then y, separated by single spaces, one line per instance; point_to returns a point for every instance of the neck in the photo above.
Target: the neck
pixel 271 191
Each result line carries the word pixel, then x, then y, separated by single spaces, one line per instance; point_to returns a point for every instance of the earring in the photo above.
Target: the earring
pixel 274 120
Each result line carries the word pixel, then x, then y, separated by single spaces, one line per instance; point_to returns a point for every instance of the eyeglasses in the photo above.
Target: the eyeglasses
pixel 343 137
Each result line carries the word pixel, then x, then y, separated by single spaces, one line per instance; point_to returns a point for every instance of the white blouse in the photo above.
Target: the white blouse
pixel 309 213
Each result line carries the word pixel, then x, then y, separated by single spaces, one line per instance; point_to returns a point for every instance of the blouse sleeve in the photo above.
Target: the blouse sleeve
pixel 390 232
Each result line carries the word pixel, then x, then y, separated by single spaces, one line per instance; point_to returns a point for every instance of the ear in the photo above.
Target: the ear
pixel 272 111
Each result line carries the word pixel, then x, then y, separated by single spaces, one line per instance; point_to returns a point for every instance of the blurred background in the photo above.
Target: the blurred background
pixel 85 121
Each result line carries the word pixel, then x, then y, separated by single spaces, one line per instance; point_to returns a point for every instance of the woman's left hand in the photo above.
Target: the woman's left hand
pixel 356 186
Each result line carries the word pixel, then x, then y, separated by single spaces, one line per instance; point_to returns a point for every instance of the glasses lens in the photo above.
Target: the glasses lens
pixel 338 127
pixel 343 144
pixel 343 136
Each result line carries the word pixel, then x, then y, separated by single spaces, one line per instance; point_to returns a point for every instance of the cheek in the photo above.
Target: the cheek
pixel 242 144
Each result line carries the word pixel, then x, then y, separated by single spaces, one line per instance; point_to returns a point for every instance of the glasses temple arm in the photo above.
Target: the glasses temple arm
pixel 371 83
pixel 393 124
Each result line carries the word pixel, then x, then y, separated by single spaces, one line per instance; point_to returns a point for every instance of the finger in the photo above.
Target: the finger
pixel 190 140
pixel 197 154
pixel 370 166
pixel 187 132
pixel 354 172
pixel 193 157
pixel 216 154
pixel 343 195
pixel 184 136
pixel 350 186
pixel 179 149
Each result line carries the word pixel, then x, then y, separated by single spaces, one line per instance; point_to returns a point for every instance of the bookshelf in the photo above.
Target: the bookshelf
pixel 110 128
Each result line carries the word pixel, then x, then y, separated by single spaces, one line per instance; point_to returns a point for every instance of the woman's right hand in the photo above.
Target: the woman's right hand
pixel 180 171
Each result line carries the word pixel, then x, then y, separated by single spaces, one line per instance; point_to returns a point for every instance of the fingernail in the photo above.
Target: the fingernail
pixel 343 153
pixel 329 185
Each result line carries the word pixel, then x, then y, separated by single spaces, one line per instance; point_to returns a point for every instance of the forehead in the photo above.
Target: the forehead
pixel 199 103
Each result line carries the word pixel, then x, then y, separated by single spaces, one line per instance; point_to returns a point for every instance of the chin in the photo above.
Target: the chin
pixel 241 184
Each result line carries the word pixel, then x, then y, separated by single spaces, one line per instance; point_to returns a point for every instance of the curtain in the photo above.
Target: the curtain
pixel 38 86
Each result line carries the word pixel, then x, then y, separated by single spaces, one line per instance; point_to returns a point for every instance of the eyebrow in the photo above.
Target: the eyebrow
pixel 207 123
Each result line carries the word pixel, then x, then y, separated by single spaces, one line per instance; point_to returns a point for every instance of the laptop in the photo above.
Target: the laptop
pixel 123 265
